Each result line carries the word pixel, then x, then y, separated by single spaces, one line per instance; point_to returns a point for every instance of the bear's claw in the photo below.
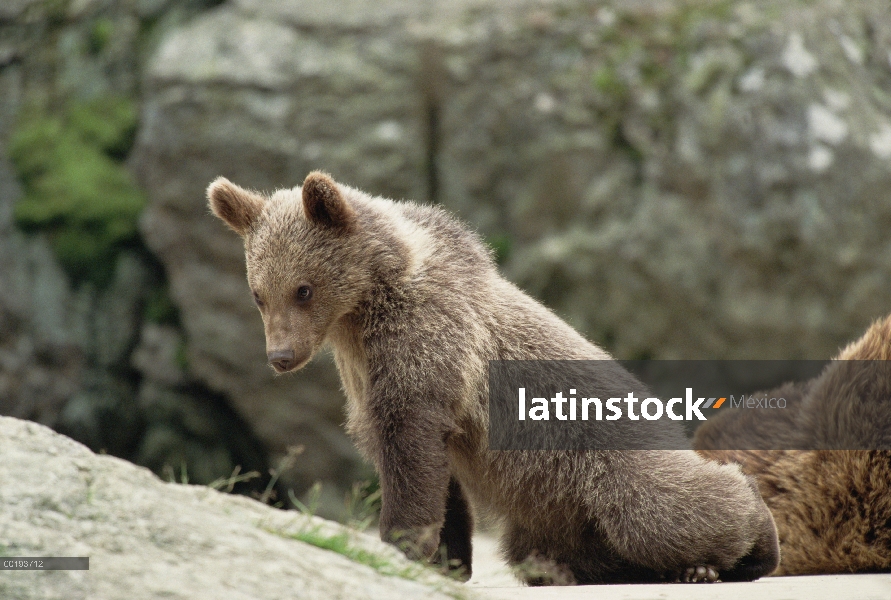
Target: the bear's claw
pixel 699 574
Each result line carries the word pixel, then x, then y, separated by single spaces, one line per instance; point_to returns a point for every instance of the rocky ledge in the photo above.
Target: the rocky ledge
pixel 150 539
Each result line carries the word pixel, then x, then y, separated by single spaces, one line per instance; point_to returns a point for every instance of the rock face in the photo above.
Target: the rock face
pixel 148 539
pixel 681 179
pixel 99 361
pixel 677 178
pixel 59 344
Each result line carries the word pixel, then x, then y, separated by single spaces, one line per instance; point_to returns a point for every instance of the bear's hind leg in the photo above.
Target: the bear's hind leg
pixel 679 512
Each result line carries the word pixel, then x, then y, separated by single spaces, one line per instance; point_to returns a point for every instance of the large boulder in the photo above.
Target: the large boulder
pixel 147 539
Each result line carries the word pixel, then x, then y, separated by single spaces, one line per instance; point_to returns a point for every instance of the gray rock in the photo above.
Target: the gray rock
pixel 65 347
pixel 678 179
pixel 102 413
pixel 117 315
pixel 14 9
pixel 41 321
pixel 148 539
pixel 157 357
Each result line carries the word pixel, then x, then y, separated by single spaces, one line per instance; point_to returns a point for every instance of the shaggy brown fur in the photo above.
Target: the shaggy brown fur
pixel 415 308
pixel 832 507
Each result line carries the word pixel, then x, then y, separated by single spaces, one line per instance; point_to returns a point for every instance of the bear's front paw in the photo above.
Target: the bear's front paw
pixel 418 543
pixel 697 575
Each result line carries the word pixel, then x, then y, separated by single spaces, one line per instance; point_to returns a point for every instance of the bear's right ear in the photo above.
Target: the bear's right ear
pixel 236 206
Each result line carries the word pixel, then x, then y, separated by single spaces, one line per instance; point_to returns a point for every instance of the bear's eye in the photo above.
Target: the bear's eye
pixel 257 300
pixel 303 294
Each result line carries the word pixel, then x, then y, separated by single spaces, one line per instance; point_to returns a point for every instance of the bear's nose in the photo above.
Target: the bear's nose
pixel 282 360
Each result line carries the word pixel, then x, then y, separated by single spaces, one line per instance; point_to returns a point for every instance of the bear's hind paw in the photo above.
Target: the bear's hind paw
pixel 699 574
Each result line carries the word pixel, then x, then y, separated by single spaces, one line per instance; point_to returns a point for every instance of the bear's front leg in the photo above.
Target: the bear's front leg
pixel 408 416
pixel 414 476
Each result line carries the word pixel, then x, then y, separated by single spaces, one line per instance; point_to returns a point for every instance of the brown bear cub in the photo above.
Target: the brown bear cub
pixel 414 307
pixel 832 507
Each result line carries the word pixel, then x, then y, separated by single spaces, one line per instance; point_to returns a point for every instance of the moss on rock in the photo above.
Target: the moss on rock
pixel 76 188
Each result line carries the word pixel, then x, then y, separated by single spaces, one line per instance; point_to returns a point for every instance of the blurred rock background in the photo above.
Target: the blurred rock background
pixel 677 179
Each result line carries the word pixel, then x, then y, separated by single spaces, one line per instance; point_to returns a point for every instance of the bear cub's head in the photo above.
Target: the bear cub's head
pixel 304 264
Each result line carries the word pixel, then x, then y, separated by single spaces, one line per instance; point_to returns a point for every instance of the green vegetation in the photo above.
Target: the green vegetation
pixel 606 81
pixel 159 307
pixel 182 356
pixel 76 187
pixel 227 484
pixel 340 543
pixel 170 473
pixel 55 10
pixel 501 244
pixel 363 504
pixel 100 34
pixel 635 70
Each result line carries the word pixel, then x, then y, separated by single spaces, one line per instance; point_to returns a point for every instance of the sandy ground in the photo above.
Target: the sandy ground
pixel 492 579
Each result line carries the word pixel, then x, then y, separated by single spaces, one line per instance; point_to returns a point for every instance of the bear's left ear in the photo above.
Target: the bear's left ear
pixel 236 206
pixel 325 205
